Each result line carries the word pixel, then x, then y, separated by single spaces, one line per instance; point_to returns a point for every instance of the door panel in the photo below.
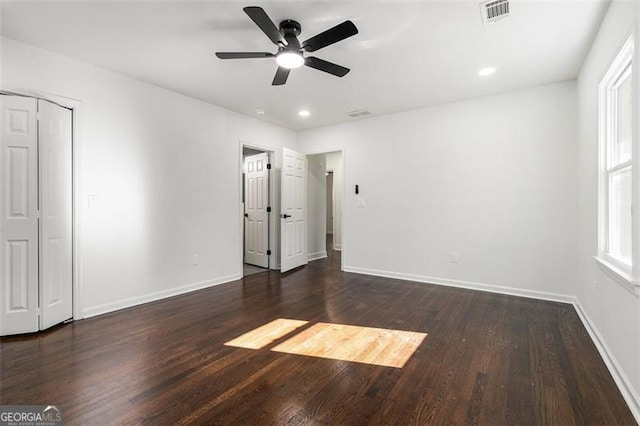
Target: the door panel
pixel 17 269
pixel 54 131
pixel 18 215
pixel 17 179
pixel 256 192
pixel 293 205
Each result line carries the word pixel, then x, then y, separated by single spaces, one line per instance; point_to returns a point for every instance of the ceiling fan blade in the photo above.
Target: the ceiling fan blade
pixel 332 35
pixel 262 20
pixel 322 65
pixel 244 55
pixel 281 76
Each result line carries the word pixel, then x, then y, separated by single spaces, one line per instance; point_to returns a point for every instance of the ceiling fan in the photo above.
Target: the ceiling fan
pixel 290 50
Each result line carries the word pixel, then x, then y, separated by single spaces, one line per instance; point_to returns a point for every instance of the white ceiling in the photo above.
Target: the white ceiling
pixel 407 54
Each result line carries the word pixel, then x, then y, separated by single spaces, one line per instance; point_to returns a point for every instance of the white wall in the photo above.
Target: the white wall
pixel 613 311
pixel 317 234
pixel 334 163
pixel 492 178
pixel 166 170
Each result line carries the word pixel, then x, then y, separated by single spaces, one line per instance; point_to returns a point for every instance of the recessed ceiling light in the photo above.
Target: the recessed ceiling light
pixel 260 111
pixel 304 113
pixel 486 71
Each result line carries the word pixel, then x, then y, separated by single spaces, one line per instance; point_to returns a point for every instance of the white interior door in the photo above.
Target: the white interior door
pixel 256 218
pixel 19 216
pixel 293 210
pixel 54 132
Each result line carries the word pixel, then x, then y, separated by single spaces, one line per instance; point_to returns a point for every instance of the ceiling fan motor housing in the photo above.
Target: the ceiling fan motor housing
pixel 291 30
pixel 289 26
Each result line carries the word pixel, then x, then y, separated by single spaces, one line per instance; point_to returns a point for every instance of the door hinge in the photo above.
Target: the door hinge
pixel 268 166
pixel 268 209
pixel 268 252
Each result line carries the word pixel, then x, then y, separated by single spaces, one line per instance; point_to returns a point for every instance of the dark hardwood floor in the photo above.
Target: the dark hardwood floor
pixel 488 359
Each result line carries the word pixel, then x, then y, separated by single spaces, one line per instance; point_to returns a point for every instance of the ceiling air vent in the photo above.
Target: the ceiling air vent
pixel 493 11
pixel 359 113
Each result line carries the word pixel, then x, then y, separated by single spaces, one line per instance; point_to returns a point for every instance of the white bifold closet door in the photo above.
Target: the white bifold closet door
pixel 54 140
pixel 35 215
pixel 19 220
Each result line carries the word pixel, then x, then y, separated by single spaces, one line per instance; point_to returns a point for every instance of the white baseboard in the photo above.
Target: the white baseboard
pixel 629 393
pixel 152 297
pixel 317 255
pixel 554 297
pixel 337 247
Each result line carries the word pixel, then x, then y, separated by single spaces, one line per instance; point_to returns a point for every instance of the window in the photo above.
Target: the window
pixel 616 192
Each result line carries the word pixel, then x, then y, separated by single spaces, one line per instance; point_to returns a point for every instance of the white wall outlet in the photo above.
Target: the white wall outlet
pixel 94 201
pixel 195 259
pixel 360 202
pixel 455 257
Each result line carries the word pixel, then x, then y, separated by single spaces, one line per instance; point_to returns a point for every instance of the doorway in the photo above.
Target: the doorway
pixel 36 219
pixel 330 212
pixel 335 162
pixel 297 197
pixel 256 202
pixel 325 204
pixel 329 198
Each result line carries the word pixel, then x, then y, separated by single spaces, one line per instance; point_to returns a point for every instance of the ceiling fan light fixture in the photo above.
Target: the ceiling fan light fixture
pixel 289 59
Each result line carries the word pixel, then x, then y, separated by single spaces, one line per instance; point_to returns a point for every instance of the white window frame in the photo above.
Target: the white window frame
pixel 621 67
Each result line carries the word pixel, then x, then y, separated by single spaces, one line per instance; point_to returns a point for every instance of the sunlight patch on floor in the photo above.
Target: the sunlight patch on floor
pixel 266 334
pixel 378 346
pixel 368 345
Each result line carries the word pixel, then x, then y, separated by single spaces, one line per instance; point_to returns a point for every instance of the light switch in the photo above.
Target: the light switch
pixel 360 202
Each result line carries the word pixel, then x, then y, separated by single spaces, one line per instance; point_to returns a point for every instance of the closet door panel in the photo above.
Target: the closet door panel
pixel 56 214
pixel 18 215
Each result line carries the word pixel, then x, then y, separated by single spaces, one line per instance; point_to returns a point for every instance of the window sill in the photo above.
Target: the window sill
pixel 618 275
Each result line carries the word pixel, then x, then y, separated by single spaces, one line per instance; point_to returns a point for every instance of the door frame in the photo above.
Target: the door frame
pixel 75 105
pixel 274 263
pixel 342 151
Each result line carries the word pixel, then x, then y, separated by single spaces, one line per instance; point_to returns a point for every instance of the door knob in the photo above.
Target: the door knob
pixel 284 215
